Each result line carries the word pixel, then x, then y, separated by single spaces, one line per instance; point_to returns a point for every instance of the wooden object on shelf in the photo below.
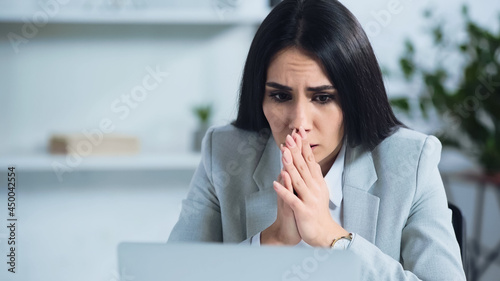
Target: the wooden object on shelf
pixel 489 179
pixel 110 144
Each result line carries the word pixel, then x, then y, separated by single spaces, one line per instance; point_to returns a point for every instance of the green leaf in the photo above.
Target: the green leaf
pixel 401 103
pixel 437 34
pixel 423 108
pixel 203 112
pixel 409 48
pixel 465 11
pixel 407 67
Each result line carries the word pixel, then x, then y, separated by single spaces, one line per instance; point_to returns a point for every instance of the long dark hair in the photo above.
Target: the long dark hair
pixel 327 30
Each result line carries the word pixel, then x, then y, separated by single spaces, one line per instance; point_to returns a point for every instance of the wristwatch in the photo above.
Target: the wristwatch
pixel 342 243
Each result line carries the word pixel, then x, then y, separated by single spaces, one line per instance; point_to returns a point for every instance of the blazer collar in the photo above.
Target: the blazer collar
pixel 359 169
pixel 360 207
pixel 261 205
pixel 268 168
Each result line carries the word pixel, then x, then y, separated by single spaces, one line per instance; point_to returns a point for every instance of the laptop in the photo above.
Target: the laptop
pixel 221 262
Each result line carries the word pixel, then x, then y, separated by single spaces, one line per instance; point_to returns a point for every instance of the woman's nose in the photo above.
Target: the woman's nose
pixel 299 116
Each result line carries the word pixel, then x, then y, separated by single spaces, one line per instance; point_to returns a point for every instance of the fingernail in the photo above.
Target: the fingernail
pixel 289 141
pixel 287 156
pixel 303 132
pixel 297 138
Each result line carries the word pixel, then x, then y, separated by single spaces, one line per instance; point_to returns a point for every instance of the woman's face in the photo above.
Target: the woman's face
pixel 298 93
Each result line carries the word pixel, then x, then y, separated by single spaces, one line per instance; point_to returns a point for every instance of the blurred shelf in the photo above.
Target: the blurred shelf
pixel 146 16
pixel 47 162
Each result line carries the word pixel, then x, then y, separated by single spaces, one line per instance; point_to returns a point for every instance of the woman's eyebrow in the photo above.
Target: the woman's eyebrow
pixel 321 88
pixel 311 89
pixel 279 86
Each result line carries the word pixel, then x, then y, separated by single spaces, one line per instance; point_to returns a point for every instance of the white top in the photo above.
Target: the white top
pixel 334 181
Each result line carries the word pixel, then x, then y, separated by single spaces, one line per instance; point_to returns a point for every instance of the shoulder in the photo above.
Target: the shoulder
pixel 229 137
pixel 409 144
pixel 405 154
pixel 225 143
pixel 406 165
pixel 231 133
pixel 406 139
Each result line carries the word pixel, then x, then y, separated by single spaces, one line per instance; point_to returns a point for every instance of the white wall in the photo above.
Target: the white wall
pixel 65 80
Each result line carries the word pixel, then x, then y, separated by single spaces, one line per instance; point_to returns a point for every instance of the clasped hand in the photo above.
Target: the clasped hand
pixel 303 199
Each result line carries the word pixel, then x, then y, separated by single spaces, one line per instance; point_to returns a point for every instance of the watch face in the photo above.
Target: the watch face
pixel 342 244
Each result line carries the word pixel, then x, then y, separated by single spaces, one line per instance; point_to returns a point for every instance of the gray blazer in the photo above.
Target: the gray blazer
pixel 393 201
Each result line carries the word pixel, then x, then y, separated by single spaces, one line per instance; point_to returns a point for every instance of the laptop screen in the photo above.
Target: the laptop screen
pixel 207 261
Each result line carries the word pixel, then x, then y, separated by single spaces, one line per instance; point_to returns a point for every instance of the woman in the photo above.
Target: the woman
pixel 316 156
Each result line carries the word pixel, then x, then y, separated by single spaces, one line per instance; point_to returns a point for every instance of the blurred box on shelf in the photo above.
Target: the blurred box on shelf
pixel 111 144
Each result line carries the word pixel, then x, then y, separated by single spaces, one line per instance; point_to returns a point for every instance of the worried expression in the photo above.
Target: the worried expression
pixel 298 93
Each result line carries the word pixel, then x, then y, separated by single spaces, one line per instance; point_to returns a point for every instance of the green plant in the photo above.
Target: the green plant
pixel 203 113
pixel 468 106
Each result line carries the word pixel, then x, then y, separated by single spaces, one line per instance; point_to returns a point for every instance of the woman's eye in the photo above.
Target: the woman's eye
pixel 324 98
pixel 280 97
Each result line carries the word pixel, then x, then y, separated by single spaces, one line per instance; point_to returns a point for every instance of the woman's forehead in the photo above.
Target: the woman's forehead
pixel 293 66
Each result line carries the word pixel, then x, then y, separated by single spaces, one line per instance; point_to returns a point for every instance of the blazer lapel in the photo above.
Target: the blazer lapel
pixel 261 205
pixel 360 207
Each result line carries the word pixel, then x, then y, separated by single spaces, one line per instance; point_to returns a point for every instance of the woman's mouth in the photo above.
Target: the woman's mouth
pixel 313 146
